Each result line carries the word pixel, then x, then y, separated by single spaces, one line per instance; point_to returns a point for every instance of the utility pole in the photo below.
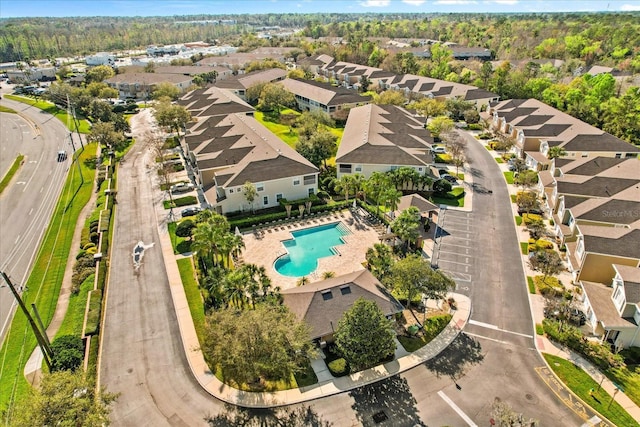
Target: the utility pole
pixel 44 347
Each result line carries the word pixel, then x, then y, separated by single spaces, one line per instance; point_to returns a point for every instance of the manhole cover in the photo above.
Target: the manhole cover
pixel 379 417
pixel 528 396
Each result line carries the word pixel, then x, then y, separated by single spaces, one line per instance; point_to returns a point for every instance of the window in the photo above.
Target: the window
pixel 618 155
pixel 310 191
pixel 345 168
pixel 296 181
pixel 265 200
pixel 278 197
pixel 231 191
pixel 394 168
pixel 259 187
pixel 345 290
pixel 309 179
pixel 327 295
pixel 358 168
pixel 585 154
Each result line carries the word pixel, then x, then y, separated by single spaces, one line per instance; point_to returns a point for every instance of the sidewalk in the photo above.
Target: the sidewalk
pixel 543 344
pixel 327 385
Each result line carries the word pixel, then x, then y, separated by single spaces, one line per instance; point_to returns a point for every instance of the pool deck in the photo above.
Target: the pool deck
pixel 264 247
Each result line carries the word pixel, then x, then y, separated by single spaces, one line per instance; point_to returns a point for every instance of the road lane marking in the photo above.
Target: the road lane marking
pixel 487 338
pixel 17 239
pixel 30 211
pixel 593 421
pixel 495 328
pixel 459 411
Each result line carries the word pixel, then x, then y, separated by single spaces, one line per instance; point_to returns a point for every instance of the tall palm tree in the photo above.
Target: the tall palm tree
pixel 406 225
pixel 328 274
pixel 212 287
pixel 375 186
pixel 204 242
pixel 235 287
pixel 259 283
pixel 392 198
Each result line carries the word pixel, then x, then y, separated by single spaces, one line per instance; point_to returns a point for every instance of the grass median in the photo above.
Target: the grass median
pixel 12 171
pixel 43 284
pixel 51 108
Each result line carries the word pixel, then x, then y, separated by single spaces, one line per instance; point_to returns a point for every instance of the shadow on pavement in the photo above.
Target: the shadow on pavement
pixel 387 402
pixel 454 359
pixel 301 416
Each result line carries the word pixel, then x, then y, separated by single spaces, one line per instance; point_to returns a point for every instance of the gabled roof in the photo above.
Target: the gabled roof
pixel 244 81
pixel 599 142
pixel 598 186
pixel 600 298
pixel 213 101
pixel 147 78
pixel 322 304
pixel 384 134
pixel 631 278
pixel 621 242
pixel 324 93
pixel 610 211
pixel 418 201
pixel 243 150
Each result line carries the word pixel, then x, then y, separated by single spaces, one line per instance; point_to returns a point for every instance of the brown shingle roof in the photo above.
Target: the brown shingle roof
pixel 600 298
pixel 324 93
pixel 388 135
pixel 323 313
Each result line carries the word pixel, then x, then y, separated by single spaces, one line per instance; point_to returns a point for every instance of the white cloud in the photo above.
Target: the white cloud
pixel 456 2
pixel 413 2
pixel 630 7
pixel 375 3
pixel 504 1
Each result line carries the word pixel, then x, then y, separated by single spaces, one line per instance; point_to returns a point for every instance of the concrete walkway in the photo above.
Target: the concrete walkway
pixel 327 385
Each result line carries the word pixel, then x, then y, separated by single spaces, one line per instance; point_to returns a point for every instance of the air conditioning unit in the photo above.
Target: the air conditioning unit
pixel 323 344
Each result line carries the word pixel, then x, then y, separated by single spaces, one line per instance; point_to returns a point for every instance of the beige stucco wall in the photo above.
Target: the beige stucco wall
pixel 368 169
pixel 598 268
pixel 237 202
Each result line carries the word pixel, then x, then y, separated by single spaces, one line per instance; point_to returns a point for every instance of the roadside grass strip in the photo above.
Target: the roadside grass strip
pixel 581 384
pixel 83 125
pixel 11 173
pixel 45 280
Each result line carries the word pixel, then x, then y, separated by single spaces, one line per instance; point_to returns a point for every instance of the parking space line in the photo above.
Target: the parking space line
pixel 451 262
pixel 459 411
pixel 459 246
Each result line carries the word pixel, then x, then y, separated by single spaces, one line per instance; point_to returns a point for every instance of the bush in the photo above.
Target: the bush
pixel 68 353
pixel 542 244
pixel 529 218
pixel 549 287
pixel 598 354
pixel 485 135
pixel 474 126
pixel 89 245
pixel 338 367
pixel 93 315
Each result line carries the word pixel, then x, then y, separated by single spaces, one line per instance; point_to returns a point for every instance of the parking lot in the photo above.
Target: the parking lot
pixel 454 247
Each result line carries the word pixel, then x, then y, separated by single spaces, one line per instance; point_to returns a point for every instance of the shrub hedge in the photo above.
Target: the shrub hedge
pixel 338 367
pixel 549 286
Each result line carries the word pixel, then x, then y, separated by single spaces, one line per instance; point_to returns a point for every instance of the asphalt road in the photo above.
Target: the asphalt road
pixel 142 354
pixel 27 203
pixel 142 357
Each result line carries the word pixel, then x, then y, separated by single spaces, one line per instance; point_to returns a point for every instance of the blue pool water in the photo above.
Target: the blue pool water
pixel 307 246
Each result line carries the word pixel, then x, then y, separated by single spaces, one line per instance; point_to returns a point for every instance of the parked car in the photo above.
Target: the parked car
pixel 575 316
pixel 194 210
pixel 62 156
pixel 535 211
pixel 438 150
pixel 443 172
pixel 182 187
pixel 450 178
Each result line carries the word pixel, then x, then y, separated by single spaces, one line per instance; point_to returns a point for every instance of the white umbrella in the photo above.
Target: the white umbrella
pixel 238 232
pixel 354 203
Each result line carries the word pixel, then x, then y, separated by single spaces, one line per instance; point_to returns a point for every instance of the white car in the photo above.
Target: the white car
pixel 438 150
pixel 182 187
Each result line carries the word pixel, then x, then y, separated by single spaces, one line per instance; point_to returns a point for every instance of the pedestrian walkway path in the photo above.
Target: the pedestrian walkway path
pixel 327 385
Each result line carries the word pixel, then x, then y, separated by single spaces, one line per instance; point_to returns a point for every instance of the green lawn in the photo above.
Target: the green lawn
pixel 46 278
pixel 4 109
pixel 531 285
pixel 50 108
pixel 509 177
pixel 12 171
pixel 285 133
pixel 580 383
pixel 518 220
pixel 513 198
pixel 442 158
pixel 456 198
pixel 524 248
pixel 433 326
pixel 194 299
pixel 499 160
pixel 74 317
pixel 180 244
pixel 180 201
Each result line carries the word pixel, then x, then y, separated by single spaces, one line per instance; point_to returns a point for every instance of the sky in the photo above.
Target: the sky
pixel 58 8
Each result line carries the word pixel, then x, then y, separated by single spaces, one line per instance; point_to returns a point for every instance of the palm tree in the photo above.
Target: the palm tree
pixel 344 184
pixel 328 274
pixel 406 225
pixel 304 280
pixel 212 287
pixel 379 260
pixel 259 283
pixel 204 242
pixel 376 185
pixel 235 287
pixel 392 198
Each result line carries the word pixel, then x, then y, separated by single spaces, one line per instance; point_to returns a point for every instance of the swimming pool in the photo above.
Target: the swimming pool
pixel 307 246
